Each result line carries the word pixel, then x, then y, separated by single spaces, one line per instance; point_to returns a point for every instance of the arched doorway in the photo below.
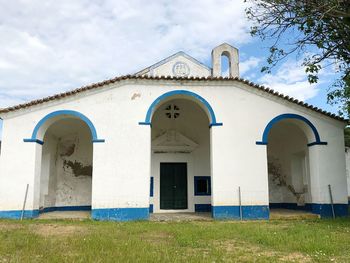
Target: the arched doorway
pixel 288 166
pixel 180 158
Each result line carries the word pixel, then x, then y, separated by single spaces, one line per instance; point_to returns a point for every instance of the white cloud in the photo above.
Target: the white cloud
pixel 290 79
pixel 249 64
pixel 52 46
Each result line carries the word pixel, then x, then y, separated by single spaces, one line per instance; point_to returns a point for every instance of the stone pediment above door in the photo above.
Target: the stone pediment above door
pixel 173 141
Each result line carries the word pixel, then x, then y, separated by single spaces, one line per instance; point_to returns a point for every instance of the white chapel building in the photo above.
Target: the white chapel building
pixel 174 137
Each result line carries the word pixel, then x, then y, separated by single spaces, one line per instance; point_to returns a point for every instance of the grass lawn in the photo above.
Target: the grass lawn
pixel 217 241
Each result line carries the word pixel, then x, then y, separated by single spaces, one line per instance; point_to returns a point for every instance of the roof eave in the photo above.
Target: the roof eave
pixel 145 77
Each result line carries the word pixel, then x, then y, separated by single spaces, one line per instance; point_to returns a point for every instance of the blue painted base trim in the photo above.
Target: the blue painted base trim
pixel 233 212
pixel 261 143
pixel 16 214
pixel 120 214
pixel 292 206
pixel 202 207
pixel 325 210
pixel 151 208
pixel 34 140
pixel 66 208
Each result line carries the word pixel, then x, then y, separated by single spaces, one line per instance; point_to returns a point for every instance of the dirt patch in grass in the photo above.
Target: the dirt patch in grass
pixel 9 226
pixel 235 246
pixel 48 230
pixel 249 251
pixel 295 257
pixel 156 237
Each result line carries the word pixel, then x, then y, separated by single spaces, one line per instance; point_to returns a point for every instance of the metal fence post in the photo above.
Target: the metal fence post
pixel 331 196
pixel 24 203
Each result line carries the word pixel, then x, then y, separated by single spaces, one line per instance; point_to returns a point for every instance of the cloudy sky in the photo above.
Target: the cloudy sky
pixel 53 46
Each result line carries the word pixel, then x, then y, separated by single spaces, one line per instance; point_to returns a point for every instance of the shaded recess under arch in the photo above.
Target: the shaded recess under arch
pixel 278 118
pixel 201 100
pixel 77 114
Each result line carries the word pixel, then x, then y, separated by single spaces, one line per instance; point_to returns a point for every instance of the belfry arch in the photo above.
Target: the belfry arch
pixel 233 60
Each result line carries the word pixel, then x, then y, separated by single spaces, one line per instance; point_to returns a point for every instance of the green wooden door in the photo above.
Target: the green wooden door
pixel 173 186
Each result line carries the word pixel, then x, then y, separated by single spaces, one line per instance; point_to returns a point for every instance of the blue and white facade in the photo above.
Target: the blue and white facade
pixel 146 143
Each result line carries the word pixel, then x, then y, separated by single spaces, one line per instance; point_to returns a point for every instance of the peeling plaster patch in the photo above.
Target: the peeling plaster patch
pixel 280 179
pixel 67 146
pixel 78 168
pixel 69 150
pixel 136 95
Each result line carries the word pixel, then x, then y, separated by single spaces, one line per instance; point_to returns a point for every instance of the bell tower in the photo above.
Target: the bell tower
pixel 231 53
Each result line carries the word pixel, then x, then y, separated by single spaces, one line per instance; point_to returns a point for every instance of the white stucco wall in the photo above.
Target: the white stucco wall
pixel 122 166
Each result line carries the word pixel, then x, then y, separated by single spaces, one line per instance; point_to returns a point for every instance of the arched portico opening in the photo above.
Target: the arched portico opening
pixel 66 166
pixel 180 158
pixel 288 138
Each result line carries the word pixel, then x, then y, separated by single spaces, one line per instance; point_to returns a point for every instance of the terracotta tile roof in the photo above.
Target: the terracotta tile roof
pixel 131 77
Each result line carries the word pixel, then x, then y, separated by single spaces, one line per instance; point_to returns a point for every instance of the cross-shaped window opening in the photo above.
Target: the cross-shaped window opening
pixel 172 111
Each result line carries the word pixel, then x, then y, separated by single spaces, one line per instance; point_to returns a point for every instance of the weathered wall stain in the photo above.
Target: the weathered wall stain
pixel 280 179
pixel 68 145
pixel 69 150
pixel 135 95
pixel 78 168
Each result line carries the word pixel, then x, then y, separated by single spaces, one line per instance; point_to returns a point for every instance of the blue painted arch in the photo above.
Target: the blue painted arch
pixel 317 140
pixel 200 99
pixel 64 112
